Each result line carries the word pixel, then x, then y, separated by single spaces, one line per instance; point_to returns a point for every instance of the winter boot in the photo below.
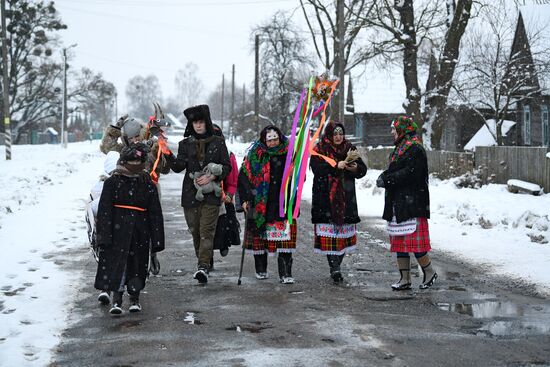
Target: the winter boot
pixel 284 261
pixel 260 263
pixel 104 297
pixel 211 267
pixel 201 275
pixel 404 266
pixel 134 303
pixel 116 308
pixel 429 273
pixel 334 262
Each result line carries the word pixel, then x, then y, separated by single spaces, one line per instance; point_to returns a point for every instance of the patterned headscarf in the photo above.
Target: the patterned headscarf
pixel 256 167
pixel 406 136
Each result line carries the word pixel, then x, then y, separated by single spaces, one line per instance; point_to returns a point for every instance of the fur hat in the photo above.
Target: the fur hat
pixel 131 128
pixel 195 113
pixel 136 152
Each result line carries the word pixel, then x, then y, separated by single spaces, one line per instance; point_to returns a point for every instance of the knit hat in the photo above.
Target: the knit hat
pixel 136 152
pixel 404 125
pixel 131 128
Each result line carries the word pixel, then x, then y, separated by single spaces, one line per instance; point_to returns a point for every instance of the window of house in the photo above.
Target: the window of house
pixel 545 132
pixel 526 125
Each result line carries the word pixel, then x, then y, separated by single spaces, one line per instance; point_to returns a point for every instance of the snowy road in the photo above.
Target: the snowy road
pixel 468 318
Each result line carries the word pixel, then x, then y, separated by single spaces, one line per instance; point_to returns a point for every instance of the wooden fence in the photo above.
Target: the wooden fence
pixel 441 163
pixel 495 164
pixel 499 164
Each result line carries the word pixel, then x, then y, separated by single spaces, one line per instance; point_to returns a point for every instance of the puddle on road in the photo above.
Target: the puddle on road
pixel 254 328
pixel 503 318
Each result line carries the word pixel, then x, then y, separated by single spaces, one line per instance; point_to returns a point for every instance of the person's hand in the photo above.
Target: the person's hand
pixel 341 165
pixel 164 147
pixel 228 198
pixel 352 167
pixel 154 267
pixel 245 206
pixel 380 181
pixel 204 179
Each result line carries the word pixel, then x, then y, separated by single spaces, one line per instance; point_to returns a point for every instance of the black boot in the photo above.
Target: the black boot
pixel 116 308
pixel 285 268
pixel 334 262
pixel 134 303
pixel 260 263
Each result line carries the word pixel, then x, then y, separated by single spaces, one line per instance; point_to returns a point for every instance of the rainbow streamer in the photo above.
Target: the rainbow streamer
pixel 299 150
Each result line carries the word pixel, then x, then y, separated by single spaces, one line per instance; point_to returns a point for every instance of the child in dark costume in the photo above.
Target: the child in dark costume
pixel 129 221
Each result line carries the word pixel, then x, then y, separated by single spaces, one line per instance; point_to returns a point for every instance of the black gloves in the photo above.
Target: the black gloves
pixel 380 180
pixel 120 122
pixel 154 267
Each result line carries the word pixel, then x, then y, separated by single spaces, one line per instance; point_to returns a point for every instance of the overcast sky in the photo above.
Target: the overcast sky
pixel 125 38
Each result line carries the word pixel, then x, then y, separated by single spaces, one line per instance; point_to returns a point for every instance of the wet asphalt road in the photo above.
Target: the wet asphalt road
pixel 469 318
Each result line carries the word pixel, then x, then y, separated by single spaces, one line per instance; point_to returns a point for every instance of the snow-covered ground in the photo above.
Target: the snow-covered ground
pixel 44 188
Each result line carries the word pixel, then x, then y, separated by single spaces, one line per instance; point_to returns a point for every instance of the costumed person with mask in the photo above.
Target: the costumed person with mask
pixel 334 202
pixel 407 203
pixel 228 228
pixel 129 225
pixel 205 158
pixel 260 180
pixel 91 213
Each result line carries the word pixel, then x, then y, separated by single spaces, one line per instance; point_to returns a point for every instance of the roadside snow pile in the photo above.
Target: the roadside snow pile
pixel 492 207
pixel 35 167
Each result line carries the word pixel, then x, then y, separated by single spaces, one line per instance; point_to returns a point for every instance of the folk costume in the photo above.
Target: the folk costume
pixel 129 225
pixel 334 202
pixel 259 185
pixel 407 202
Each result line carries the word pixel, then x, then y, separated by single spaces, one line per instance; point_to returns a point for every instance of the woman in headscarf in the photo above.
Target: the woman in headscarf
pixel 259 185
pixel 407 203
pixel 334 203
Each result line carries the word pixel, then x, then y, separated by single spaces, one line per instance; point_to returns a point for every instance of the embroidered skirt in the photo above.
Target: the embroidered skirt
pixel 418 241
pixel 257 244
pixel 331 239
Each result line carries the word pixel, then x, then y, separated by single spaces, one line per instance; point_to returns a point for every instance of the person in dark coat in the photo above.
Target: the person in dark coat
pixel 407 202
pixel 334 203
pixel 129 225
pixel 259 185
pixel 199 148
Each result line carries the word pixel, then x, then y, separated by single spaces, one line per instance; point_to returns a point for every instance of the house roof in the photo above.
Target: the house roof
pixel 536 20
pixel 51 130
pixel 484 138
pixel 379 91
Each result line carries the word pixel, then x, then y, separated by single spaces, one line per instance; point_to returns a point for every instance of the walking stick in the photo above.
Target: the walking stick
pixel 242 253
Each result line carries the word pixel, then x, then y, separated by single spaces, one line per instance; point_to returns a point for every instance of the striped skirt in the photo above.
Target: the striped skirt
pixel 418 241
pixel 256 244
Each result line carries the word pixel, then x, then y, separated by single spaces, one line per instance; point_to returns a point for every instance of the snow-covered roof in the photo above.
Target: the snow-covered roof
pixel 536 19
pixel 52 131
pixel 484 138
pixel 379 91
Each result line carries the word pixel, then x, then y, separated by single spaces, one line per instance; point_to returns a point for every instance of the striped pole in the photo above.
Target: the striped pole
pixel 5 83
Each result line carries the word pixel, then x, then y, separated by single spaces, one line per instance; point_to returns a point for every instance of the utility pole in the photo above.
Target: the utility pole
pixel 64 107
pixel 223 97
pixel 257 83
pixel 339 64
pixel 5 85
pixel 232 104
pixel 244 105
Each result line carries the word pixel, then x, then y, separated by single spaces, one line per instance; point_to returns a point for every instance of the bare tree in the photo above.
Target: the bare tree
pixel 325 28
pixel 285 66
pixel 189 87
pixel 497 71
pixel 141 93
pixel 94 96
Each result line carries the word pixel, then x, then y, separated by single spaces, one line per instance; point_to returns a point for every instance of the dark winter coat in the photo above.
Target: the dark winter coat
pixel 244 187
pixel 406 183
pixel 215 151
pixel 124 235
pixel 320 203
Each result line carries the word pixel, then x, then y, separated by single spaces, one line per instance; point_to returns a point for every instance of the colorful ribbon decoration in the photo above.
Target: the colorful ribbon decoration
pixel 299 150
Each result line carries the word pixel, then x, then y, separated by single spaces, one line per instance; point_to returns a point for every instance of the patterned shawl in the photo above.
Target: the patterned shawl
pixel 256 167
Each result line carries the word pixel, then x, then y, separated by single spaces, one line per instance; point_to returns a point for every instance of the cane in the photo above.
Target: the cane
pixel 242 253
